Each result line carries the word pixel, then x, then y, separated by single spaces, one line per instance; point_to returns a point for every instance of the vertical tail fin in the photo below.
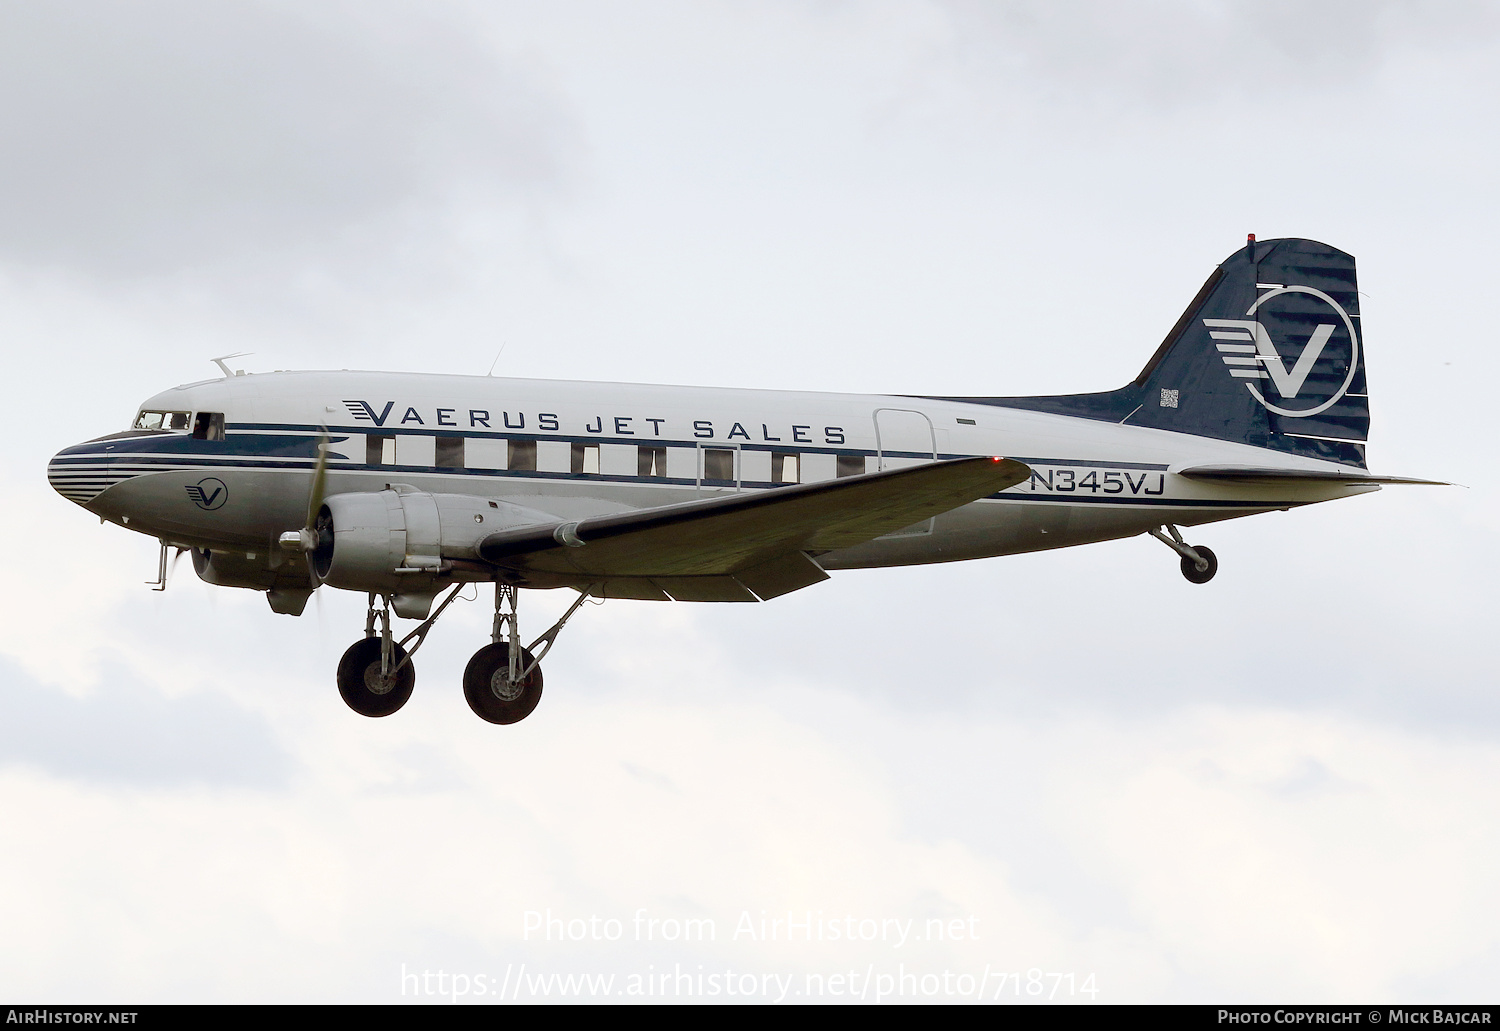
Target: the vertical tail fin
pixel 1270 353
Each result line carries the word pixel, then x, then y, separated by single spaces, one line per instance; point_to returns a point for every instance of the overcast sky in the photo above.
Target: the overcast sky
pixel 1278 786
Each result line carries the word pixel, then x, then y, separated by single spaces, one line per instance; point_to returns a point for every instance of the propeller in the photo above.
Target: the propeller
pixel 307 539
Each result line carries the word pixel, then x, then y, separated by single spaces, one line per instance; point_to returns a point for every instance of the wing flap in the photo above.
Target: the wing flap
pixel 704 588
pixel 632 590
pixel 722 536
pixel 782 575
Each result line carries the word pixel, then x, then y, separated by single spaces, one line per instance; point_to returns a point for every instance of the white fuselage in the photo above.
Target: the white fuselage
pixel 575 450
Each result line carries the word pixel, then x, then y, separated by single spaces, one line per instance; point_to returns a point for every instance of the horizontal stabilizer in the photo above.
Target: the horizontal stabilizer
pixel 1262 474
pixel 761 535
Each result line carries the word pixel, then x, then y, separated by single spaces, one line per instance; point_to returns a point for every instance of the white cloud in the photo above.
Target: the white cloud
pixel 157 138
pixel 1252 854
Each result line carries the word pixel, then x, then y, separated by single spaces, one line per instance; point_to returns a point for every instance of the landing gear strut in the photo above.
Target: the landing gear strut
pixel 1199 564
pixel 503 681
pixel 376 675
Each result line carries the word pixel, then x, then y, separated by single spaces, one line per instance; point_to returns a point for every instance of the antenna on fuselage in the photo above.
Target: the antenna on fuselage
pixel 497 358
pixel 219 361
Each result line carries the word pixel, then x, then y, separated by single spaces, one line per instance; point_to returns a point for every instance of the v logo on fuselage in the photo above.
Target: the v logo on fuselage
pixel 208 493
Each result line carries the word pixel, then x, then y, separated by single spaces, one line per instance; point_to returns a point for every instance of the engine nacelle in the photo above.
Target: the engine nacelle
pixel 408 543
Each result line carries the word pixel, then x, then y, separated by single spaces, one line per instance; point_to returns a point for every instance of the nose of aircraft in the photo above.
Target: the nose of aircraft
pixel 77 475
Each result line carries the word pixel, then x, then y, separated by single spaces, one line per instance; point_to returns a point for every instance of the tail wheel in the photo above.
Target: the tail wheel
pixel 1193 573
pixel 362 685
pixel 489 690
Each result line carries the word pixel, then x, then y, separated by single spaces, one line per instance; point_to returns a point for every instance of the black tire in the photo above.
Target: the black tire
pixel 487 689
pixel 360 682
pixel 1190 568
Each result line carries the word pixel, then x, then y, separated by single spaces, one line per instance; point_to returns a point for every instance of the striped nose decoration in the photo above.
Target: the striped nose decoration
pixel 82 479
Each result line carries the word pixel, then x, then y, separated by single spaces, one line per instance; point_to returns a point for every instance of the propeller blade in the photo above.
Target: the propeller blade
pixel 315 500
pixel 306 539
pixel 312 532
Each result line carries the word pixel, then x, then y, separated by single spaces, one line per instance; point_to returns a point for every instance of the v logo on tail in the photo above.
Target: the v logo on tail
pixel 1288 384
pixel 1247 348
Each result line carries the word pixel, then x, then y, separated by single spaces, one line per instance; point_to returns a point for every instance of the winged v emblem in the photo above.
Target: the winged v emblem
pixel 1251 355
pixel 208 494
pixel 1250 338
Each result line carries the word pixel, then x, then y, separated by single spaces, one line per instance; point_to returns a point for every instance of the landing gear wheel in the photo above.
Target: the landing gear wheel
pixel 488 689
pixel 364 689
pixel 1193 573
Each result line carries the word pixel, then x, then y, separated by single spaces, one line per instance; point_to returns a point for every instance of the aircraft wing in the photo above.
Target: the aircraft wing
pixel 1261 474
pixel 712 550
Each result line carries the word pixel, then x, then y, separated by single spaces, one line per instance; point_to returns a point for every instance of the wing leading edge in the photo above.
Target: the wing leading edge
pixel 746 546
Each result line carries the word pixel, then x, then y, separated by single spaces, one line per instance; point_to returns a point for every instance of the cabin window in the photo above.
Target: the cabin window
pixel 651 461
pixel 380 450
pixel 161 421
pixel 786 467
pixel 520 455
pixel 449 453
pixel 209 426
pixel 851 465
pixel 585 458
pixel 718 464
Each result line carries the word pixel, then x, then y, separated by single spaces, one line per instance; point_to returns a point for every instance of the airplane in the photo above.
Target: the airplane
pixel 406 486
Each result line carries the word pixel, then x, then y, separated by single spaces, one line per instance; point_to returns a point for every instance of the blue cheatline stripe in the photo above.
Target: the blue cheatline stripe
pixel 194 461
pixel 179 444
pixel 248 445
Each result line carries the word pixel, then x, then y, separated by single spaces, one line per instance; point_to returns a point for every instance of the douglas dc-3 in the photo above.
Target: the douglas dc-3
pixel 408 486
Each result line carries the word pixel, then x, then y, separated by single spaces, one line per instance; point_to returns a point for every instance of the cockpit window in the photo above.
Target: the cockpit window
pixel 161 421
pixel 209 426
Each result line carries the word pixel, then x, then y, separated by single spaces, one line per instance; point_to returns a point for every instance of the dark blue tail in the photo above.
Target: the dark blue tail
pixel 1269 353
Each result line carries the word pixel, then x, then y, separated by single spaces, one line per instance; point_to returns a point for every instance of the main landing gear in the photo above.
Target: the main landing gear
pixel 376 675
pixel 1199 564
pixel 502 683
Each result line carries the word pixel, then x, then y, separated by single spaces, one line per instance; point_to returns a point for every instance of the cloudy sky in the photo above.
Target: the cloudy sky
pixel 1277 787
